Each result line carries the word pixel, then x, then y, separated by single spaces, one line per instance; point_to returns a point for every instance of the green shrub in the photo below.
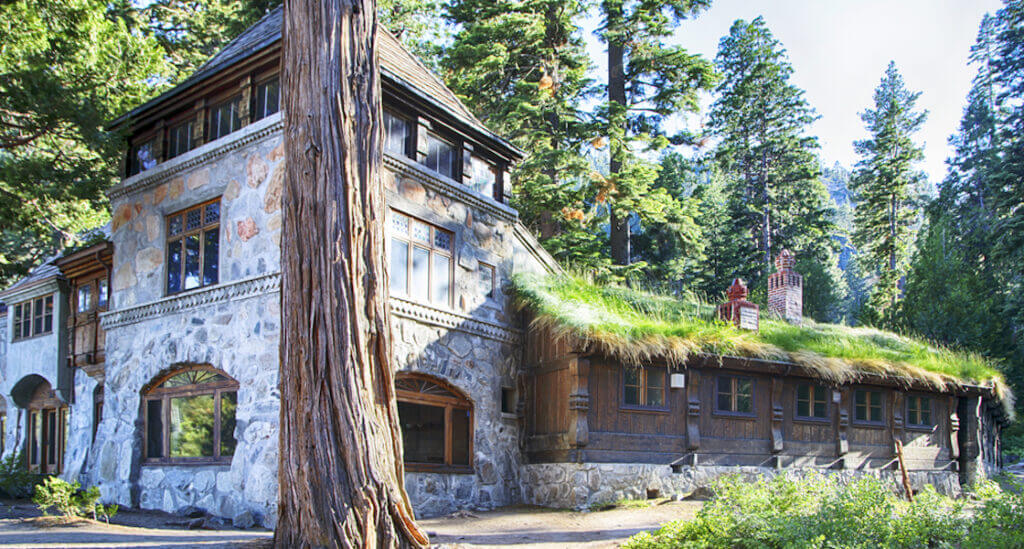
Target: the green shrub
pixel 827 512
pixel 70 500
pixel 16 481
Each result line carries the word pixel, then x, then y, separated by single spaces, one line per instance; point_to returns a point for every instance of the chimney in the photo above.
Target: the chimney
pixel 738 310
pixel 786 289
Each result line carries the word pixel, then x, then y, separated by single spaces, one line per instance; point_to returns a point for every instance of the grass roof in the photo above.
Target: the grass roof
pixel 636 327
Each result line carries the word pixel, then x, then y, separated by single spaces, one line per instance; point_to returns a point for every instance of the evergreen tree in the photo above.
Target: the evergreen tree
pixel 523 68
pixel 777 199
pixel 66 68
pixel 647 82
pixel 887 187
pixel 191 31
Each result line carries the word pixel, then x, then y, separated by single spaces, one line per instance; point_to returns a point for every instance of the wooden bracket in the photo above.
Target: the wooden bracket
pixel 579 403
pixel 693 411
pixel 777 415
pixel 843 423
pixel 954 428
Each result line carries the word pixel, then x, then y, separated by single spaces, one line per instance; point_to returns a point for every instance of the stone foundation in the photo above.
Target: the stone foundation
pixel 582 485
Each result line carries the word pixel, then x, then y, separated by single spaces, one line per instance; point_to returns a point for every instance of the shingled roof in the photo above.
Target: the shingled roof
pixel 42 273
pixel 397 64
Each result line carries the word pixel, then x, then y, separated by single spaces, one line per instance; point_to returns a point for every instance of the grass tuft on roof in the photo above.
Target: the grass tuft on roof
pixel 636 327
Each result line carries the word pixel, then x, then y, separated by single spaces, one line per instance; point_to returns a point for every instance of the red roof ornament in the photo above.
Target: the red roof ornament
pixel 742 313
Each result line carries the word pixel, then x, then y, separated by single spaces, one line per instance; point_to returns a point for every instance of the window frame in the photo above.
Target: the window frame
pixel 455 400
pixel 180 237
pixel 155 392
pixel 153 137
pixel 932 424
pixel 408 147
pixel 25 313
pixel 813 389
pixel 881 405
pixel 432 250
pixel 218 102
pixel 643 388
pixel 188 121
pixel 254 108
pixel 734 396
pixel 456 145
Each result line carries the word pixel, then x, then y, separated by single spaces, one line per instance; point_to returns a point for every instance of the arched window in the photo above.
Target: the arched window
pixel 437 425
pixel 190 416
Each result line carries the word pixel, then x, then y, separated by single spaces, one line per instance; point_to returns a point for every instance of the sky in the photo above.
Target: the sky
pixel 839 50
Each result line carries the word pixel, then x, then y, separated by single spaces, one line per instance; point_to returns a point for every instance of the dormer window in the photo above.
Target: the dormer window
pixel 179 139
pixel 397 132
pixel 224 118
pixel 268 99
pixel 440 155
pixel 143 157
pixel 484 176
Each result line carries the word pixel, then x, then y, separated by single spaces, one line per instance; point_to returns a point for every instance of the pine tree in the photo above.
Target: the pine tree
pixel 66 69
pixel 777 199
pixel 887 187
pixel 647 82
pixel 523 68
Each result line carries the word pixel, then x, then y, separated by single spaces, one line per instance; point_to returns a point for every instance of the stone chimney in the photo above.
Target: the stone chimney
pixel 786 289
pixel 738 310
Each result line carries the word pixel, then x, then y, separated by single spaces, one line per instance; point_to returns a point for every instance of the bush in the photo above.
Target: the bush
pixel 15 480
pixel 70 500
pixel 826 512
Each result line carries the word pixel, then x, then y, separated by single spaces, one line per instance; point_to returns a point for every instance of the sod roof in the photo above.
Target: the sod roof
pixel 638 327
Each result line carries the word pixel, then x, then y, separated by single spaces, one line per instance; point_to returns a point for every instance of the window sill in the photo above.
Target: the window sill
pixel 869 424
pixel 812 420
pixel 190 291
pixel 644 409
pixel 186 462
pixel 922 428
pixel 435 468
pixel 31 337
pixel 734 415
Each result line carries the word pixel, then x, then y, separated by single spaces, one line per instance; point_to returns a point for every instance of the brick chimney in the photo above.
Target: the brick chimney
pixel 738 310
pixel 786 289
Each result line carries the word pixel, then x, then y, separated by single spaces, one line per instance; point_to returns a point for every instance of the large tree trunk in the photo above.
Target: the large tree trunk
pixel 619 223
pixel 340 471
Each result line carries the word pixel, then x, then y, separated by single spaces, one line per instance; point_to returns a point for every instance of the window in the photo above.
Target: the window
pixel 421 260
pixel 811 401
pixel 103 295
pixel 642 387
pixel 397 133
pixel 487 282
pixel 142 157
pixel 735 395
pixel 33 318
pixel 508 400
pixel 436 423
pixel 867 406
pixel 484 176
pixel 919 411
pixel 190 416
pixel 193 244
pixel 224 118
pixel 440 155
pixel 268 99
pixel 84 298
pixel 179 139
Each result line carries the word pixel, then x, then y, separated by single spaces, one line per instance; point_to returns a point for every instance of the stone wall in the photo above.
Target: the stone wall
pixel 582 485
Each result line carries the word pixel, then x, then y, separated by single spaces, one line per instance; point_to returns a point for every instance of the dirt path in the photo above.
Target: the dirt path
pixel 83 533
pixel 546 528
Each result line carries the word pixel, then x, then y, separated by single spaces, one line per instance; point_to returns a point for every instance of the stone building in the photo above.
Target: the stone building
pixel 146 363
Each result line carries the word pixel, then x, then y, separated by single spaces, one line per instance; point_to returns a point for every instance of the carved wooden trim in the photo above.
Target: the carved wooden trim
pixel 843 422
pixel 898 422
pixel 693 410
pixel 954 428
pixel 579 404
pixel 777 415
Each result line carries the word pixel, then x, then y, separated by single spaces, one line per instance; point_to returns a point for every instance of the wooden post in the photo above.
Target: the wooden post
pixel 903 471
pixel 579 406
pixel 693 410
pixel 777 415
pixel 842 423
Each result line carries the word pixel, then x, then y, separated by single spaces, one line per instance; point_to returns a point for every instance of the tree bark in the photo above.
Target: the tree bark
pixel 340 469
pixel 619 223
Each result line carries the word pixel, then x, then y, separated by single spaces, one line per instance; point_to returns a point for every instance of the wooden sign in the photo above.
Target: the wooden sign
pixel 748 318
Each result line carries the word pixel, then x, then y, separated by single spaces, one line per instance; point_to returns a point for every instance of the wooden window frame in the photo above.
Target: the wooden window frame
pixel 867 408
pixel 155 392
pixel 930 409
pixel 180 237
pixel 644 381
pixel 812 393
pixel 155 136
pixel 455 400
pixel 734 396
pixel 49 418
pixel 495 169
pixel 410 140
pixel 216 103
pixel 26 313
pixel 456 145
pixel 263 80
pixel 185 121
pixel 432 250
